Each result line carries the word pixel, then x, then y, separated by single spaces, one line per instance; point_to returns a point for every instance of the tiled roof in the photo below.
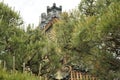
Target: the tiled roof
pixel 52 13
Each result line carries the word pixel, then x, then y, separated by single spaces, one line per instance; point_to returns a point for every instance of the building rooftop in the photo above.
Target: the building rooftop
pixel 52 12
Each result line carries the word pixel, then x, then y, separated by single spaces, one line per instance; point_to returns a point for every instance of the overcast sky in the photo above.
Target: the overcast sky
pixel 30 10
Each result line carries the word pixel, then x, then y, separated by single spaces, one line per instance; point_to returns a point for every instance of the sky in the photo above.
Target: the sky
pixel 30 10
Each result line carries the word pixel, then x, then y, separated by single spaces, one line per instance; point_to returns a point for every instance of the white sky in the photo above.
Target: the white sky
pixel 30 10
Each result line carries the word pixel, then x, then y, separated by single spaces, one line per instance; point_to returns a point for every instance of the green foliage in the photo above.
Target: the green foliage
pixel 87 39
pixel 16 76
pixel 92 40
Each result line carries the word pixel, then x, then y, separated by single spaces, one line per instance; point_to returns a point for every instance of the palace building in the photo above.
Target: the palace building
pixel 66 72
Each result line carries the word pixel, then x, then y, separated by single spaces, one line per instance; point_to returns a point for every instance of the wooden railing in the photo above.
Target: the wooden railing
pixel 75 75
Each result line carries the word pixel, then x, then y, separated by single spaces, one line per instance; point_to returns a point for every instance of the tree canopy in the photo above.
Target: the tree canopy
pixel 87 38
